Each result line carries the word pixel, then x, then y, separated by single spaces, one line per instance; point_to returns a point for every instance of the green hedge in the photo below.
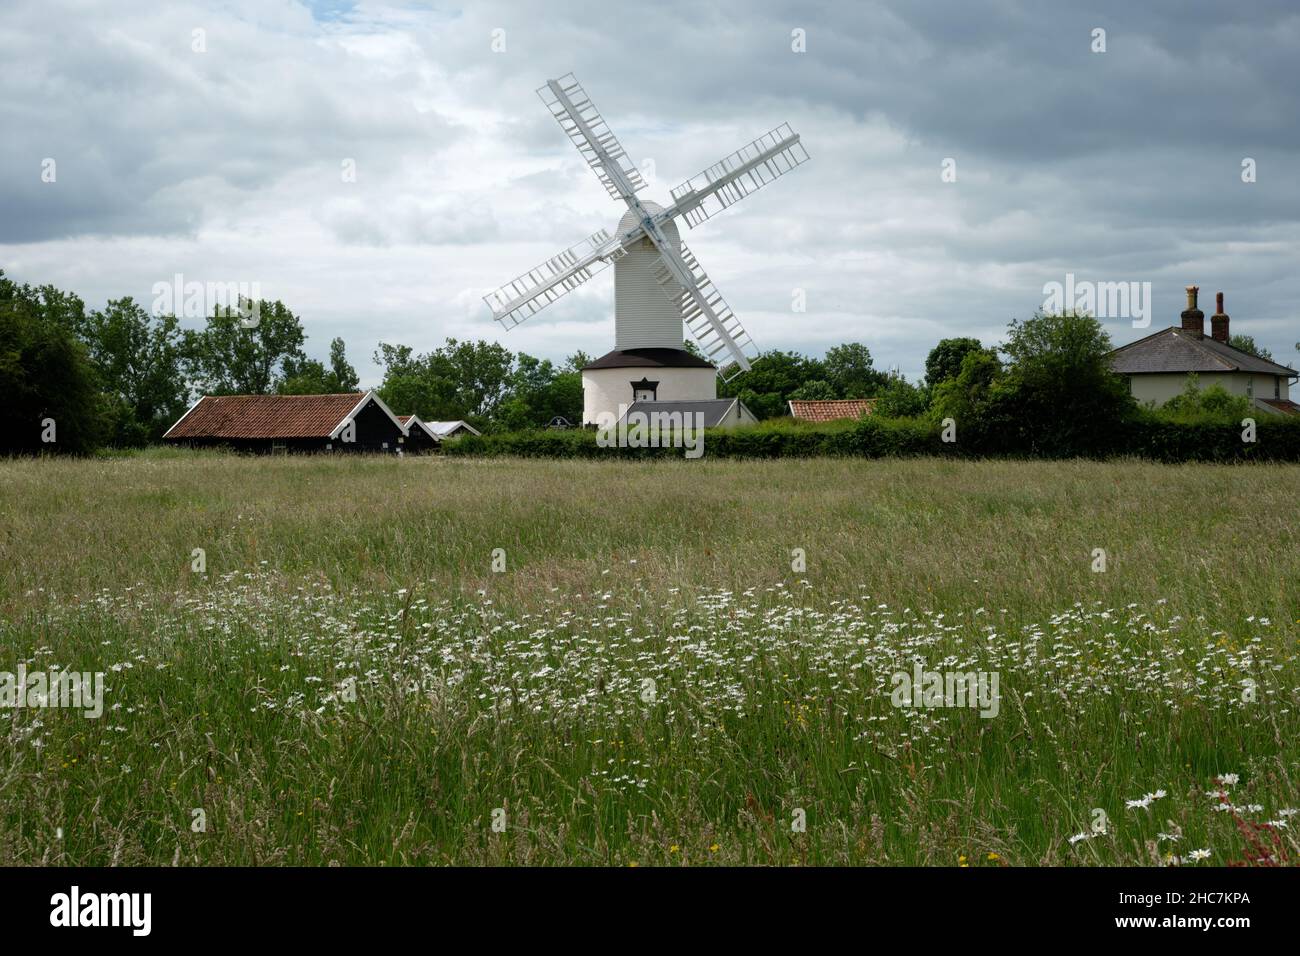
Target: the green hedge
pixel 1145 436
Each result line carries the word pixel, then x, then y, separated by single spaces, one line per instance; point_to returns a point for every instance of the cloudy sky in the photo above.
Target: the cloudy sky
pixel 211 139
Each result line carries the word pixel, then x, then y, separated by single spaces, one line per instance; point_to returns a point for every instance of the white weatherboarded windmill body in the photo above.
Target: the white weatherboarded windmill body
pixel 658 284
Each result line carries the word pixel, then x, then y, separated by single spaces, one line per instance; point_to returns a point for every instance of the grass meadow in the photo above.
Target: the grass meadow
pixel 681 663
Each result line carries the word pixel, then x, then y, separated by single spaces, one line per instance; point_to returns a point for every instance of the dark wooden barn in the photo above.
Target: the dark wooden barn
pixel 420 438
pixel 349 422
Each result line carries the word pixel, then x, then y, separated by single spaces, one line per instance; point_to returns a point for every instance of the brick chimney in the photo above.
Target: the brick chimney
pixel 1219 321
pixel 1193 318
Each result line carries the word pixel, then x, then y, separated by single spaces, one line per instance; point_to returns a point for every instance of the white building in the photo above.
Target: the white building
pixel 1157 366
pixel 648 364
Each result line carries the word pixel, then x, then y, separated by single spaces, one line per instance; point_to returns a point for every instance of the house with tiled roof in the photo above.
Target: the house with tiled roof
pixel 350 421
pixel 828 410
pixel 1157 366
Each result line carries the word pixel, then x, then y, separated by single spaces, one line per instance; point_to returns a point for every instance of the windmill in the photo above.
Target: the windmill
pixel 658 283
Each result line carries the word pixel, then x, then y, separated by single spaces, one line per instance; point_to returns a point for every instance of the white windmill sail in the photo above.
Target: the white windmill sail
pixel 708 317
pixel 583 124
pixel 557 276
pixel 721 337
pixel 747 170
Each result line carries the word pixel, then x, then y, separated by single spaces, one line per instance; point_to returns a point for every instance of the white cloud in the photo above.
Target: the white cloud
pixel 226 164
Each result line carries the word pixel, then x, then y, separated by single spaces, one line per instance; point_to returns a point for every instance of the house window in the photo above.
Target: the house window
pixel 1250 387
pixel 1277 386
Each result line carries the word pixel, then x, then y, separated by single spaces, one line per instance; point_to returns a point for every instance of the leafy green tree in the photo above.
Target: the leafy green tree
pixel 417 384
pixel 230 358
pixel 311 377
pixel 577 361
pixel 774 377
pixel 49 383
pixel 466 380
pixel 345 376
pixel 945 359
pixel 851 373
pixel 900 399
pixel 538 392
pixel 966 397
pixel 816 390
pixel 138 359
pixel 1059 395
pixel 1247 344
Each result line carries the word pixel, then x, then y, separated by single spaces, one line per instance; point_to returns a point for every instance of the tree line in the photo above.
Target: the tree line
pixel 121 376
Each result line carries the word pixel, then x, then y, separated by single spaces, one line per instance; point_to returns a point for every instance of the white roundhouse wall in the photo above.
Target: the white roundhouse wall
pixel 605 389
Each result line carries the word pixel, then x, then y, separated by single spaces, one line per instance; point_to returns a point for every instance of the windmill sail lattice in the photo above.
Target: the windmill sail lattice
pixel 710 320
pixel 715 338
pixel 557 276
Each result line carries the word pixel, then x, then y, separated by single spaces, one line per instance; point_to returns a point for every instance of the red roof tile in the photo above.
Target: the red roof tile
pixel 1283 405
pixel 828 410
pixel 265 416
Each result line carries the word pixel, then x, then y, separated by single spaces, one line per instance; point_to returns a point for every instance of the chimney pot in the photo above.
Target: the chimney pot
pixel 1193 318
pixel 1219 321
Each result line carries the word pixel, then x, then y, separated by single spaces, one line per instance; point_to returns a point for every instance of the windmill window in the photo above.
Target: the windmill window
pixel 644 390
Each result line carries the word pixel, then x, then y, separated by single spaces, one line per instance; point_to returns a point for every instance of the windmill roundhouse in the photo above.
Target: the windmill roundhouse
pixel 658 283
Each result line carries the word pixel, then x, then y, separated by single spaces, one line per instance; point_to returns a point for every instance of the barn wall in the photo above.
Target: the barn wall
pixel 375 431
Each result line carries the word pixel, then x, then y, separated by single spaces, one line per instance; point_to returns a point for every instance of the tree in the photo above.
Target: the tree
pixel 966 396
pixel 850 371
pixel 311 377
pixel 538 392
pixel 899 399
pixel 138 360
pixel 345 376
pixel 944 361
pixel 51 398
pixel 1247 344
pixel 231 358
pixel 577 361
pixel 1059 396
pixel 816 390
pixel 466 380
pixel 768 385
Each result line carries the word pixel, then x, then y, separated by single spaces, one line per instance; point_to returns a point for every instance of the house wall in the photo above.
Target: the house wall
pixel 604 389
pixel 1160 387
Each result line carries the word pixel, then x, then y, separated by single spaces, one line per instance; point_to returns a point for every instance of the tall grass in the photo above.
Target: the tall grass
pixel 650 679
